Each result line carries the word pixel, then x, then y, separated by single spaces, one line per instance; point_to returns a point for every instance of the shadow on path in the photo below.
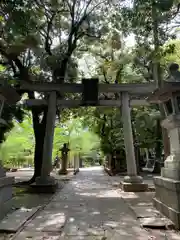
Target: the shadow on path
pixel 88 207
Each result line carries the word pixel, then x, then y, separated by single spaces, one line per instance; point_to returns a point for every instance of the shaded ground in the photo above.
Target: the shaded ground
pixel 25 174
pixel 88 207
pixel 21 198
pixel 142 205
pixel 24 199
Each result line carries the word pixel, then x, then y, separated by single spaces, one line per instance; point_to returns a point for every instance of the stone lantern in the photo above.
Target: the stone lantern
pixel 167 197
pixel 64 156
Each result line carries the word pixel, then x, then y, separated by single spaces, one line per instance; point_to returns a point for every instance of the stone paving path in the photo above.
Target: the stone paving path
pixel 86 208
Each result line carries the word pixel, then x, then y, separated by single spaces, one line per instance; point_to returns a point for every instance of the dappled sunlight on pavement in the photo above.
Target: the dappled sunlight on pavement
pixel 88 208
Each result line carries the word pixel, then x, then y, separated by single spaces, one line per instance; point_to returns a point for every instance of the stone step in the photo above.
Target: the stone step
pixel 13 221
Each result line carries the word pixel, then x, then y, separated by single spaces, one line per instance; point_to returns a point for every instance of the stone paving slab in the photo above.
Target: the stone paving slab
pixel 141 204
pixel 30 200
pixel 68 197
pixel 83 211
pixel 131 233
pixel 84 195
pixel 123 235
pixel 138 199
pixel 156 222
pixel 82 229
pixel 173 235
pixel 5 236
pixel 12 222
pixel 145 211
pixel 164 235
pixel 66 205
pixel 53 236
pixel 93 211
pixel 47 221
pixel 124 232
pixel 83 238
pixel 25 235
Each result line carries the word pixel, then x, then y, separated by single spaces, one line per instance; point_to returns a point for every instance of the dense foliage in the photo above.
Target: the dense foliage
pixel 18 149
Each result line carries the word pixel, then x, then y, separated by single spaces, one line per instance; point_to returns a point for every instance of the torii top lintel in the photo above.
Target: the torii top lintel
pixel 132 88
pixel 166 91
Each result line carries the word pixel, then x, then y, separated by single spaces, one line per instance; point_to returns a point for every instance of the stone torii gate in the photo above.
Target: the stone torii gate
pixel 130 95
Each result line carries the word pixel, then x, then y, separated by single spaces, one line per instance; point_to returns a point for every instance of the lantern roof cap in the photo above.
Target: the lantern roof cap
pixel 164 92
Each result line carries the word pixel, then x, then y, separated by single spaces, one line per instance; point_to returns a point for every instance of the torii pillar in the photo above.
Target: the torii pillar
pixel 132 182
pixel 47 183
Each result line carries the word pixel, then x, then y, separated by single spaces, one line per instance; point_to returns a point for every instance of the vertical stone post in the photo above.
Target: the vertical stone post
pixel 76 163
pixel 132 182
pixel 5 192
pixel 9 95
pixel 48 142
pixel 5 182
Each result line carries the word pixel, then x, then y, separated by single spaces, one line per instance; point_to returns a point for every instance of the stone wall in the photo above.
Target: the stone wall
pixel 5 193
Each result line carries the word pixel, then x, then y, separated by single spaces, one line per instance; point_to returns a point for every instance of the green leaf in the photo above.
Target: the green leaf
pixel 2 68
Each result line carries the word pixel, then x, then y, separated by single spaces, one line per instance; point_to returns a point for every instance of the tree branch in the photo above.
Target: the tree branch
pixel 48 41
pixel 104 75
pixel 23 71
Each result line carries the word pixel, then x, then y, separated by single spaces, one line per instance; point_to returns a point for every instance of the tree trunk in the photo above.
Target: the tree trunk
pixel 39 132
pixel 157 74
pixel 39 117
pixel 38 154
